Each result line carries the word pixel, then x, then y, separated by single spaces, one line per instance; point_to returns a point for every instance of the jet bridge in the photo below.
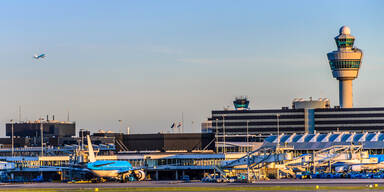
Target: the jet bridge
pixel 269 161
pixel 256 163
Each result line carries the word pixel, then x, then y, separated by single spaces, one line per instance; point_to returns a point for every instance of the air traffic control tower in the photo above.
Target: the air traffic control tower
pixel 345 65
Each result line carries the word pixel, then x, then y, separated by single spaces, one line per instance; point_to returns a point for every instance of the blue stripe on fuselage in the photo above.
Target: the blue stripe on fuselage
pixel 110 165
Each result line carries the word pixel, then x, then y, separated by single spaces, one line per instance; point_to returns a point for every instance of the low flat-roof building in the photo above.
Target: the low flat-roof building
pixel 166 142
pixel 51 128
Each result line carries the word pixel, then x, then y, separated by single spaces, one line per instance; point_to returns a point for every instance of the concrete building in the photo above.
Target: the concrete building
pixel 305 116
pixel 166 142
pixel 300 103
pixel 49 128
pixel 345 64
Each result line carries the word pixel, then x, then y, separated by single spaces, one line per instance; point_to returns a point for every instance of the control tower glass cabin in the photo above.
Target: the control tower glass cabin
pixel 345 63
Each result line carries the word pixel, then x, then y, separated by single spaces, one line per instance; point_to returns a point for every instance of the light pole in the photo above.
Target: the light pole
pixel 82 138
pixel 224 149
pixel 278 142
pixel 121 122
pixel 247 136
pixel 42 137
pixel 278 131
pixel 248 178
pixel 129 126
pixel 217 139
pixel 182 122
pixel 13 143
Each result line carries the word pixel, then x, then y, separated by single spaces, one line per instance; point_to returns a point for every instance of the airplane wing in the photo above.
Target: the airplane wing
pixel 66 168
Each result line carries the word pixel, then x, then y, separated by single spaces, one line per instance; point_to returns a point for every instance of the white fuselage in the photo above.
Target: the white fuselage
pixel 106 173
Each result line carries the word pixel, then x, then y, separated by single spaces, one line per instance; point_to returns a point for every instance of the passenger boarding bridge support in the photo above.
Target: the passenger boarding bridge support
pixel 271 161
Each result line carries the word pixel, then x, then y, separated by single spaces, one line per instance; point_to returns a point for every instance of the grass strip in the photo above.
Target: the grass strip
pixel 253 188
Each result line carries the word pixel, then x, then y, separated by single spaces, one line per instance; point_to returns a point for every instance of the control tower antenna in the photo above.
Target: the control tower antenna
pixel 345 64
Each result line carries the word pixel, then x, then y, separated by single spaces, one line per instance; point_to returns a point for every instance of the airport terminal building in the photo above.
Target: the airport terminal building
pixel 305 116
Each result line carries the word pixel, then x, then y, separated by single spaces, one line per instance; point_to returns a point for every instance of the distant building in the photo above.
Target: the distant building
pixel 301 103
pixel 51 128
pixel 54 132
pixel 166 142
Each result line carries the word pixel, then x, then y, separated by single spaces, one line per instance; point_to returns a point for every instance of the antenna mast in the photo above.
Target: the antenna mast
pixel 19 113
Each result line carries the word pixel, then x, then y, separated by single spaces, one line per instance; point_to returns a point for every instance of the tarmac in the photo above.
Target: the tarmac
pixel 338 185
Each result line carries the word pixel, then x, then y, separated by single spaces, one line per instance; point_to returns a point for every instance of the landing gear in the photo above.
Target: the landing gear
pixel 140 175
pixel 125 177
pixel 98 180
pixel 137 175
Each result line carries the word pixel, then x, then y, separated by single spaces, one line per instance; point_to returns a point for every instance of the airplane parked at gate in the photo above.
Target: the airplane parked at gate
pixel 119 170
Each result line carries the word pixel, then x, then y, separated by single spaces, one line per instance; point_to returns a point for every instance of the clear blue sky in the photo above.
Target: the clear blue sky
pixel 146 62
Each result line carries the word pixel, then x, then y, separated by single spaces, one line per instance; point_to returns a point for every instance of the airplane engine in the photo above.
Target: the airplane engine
pixel 140 175
pixel 356 167
pixel 339 169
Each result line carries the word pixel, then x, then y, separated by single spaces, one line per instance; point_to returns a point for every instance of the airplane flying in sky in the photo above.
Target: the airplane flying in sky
pixel 119 170
pixel 41 56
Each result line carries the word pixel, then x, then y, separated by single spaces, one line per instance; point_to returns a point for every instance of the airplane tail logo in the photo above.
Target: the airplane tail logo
pixel 91 155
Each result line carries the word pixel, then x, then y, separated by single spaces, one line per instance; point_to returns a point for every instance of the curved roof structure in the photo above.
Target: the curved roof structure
pixel 321 140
